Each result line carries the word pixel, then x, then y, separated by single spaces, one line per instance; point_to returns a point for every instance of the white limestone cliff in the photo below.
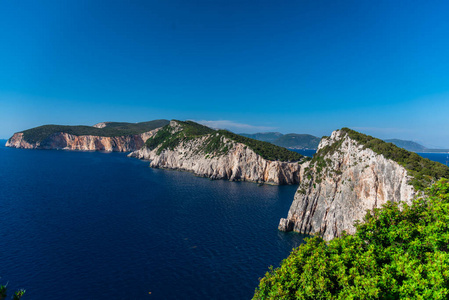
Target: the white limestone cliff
pixel 337 189
pixel 238 163
pixel 67 141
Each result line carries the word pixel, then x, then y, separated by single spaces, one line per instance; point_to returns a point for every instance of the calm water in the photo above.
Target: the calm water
pixel 95 225
pixel 89 225
pixel 439 157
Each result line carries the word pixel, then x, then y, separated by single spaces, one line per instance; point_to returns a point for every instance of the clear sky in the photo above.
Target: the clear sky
pixel 380 67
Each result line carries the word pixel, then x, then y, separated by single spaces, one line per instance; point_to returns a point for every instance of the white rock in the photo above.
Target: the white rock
pixel 354 180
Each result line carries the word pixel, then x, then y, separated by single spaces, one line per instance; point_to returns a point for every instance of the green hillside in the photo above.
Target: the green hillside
pixel 38 134
pixel 215 144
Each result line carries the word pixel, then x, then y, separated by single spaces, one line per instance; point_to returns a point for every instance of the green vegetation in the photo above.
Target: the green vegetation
pixel 40 133
pixel 214 145
pixel 423 170
pixel 398 252
pixel 4 293
pixel 167 138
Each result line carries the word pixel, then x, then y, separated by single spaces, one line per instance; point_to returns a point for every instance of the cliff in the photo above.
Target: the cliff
pixel 106 136
pixel 344 179
pixel 219 155
pixel 67 141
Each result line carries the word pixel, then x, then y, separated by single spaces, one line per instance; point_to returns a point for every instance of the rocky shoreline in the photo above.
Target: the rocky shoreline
pixel 239 164
pixel 67 141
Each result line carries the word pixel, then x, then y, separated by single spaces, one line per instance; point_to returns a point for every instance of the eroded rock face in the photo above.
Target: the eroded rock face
pixel 67 141
pixel 338 189
pixel 17 141
pixel 240 163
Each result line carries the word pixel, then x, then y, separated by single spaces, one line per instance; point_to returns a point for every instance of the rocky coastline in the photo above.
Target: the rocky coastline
pixel 338 187
pixel 67 141
pixel 240 163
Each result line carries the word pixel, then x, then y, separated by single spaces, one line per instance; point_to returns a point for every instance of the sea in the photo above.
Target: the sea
pixel 93 225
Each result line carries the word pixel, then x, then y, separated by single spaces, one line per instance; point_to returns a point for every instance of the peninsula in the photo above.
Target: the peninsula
pixel 105 136
pixel 220 154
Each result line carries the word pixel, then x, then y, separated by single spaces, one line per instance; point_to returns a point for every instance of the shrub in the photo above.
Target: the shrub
pixel 400 251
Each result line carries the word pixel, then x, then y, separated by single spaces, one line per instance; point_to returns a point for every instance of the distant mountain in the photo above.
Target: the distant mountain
pixel 291 140
pixel 407 145
pixel 298 141
pixel 264 136
pixel 413 146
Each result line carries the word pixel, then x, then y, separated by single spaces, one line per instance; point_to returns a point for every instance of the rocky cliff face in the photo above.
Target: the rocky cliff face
pixel 239 163
pixel 342 181
pixel 67 141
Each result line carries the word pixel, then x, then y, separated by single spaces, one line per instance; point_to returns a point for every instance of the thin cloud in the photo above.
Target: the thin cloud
pixel 234 126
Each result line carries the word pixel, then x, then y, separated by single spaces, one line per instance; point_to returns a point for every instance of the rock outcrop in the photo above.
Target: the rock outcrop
pixel 67 141
pixel 237 163
pixel 343 180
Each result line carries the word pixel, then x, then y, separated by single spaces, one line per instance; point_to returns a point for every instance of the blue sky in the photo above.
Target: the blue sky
pixel 380 67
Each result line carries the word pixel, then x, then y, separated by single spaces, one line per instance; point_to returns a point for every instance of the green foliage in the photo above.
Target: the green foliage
pixel 167 138
pixel 398 252
pixel 4 293
pixel 40 133
pixel 215 145
pixel 18 294
pixel 423 170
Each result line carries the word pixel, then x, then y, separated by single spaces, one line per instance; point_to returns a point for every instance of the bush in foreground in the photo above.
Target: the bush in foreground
pixel 398 252
pixel 4 293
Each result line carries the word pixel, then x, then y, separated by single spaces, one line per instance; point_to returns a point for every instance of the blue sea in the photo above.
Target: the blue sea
pixel 92 225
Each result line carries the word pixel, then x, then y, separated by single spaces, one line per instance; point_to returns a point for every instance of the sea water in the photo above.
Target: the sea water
pixel 91 225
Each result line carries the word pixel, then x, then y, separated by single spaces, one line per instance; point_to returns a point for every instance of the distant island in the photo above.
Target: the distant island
pixel 414 147
pixel 290 140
